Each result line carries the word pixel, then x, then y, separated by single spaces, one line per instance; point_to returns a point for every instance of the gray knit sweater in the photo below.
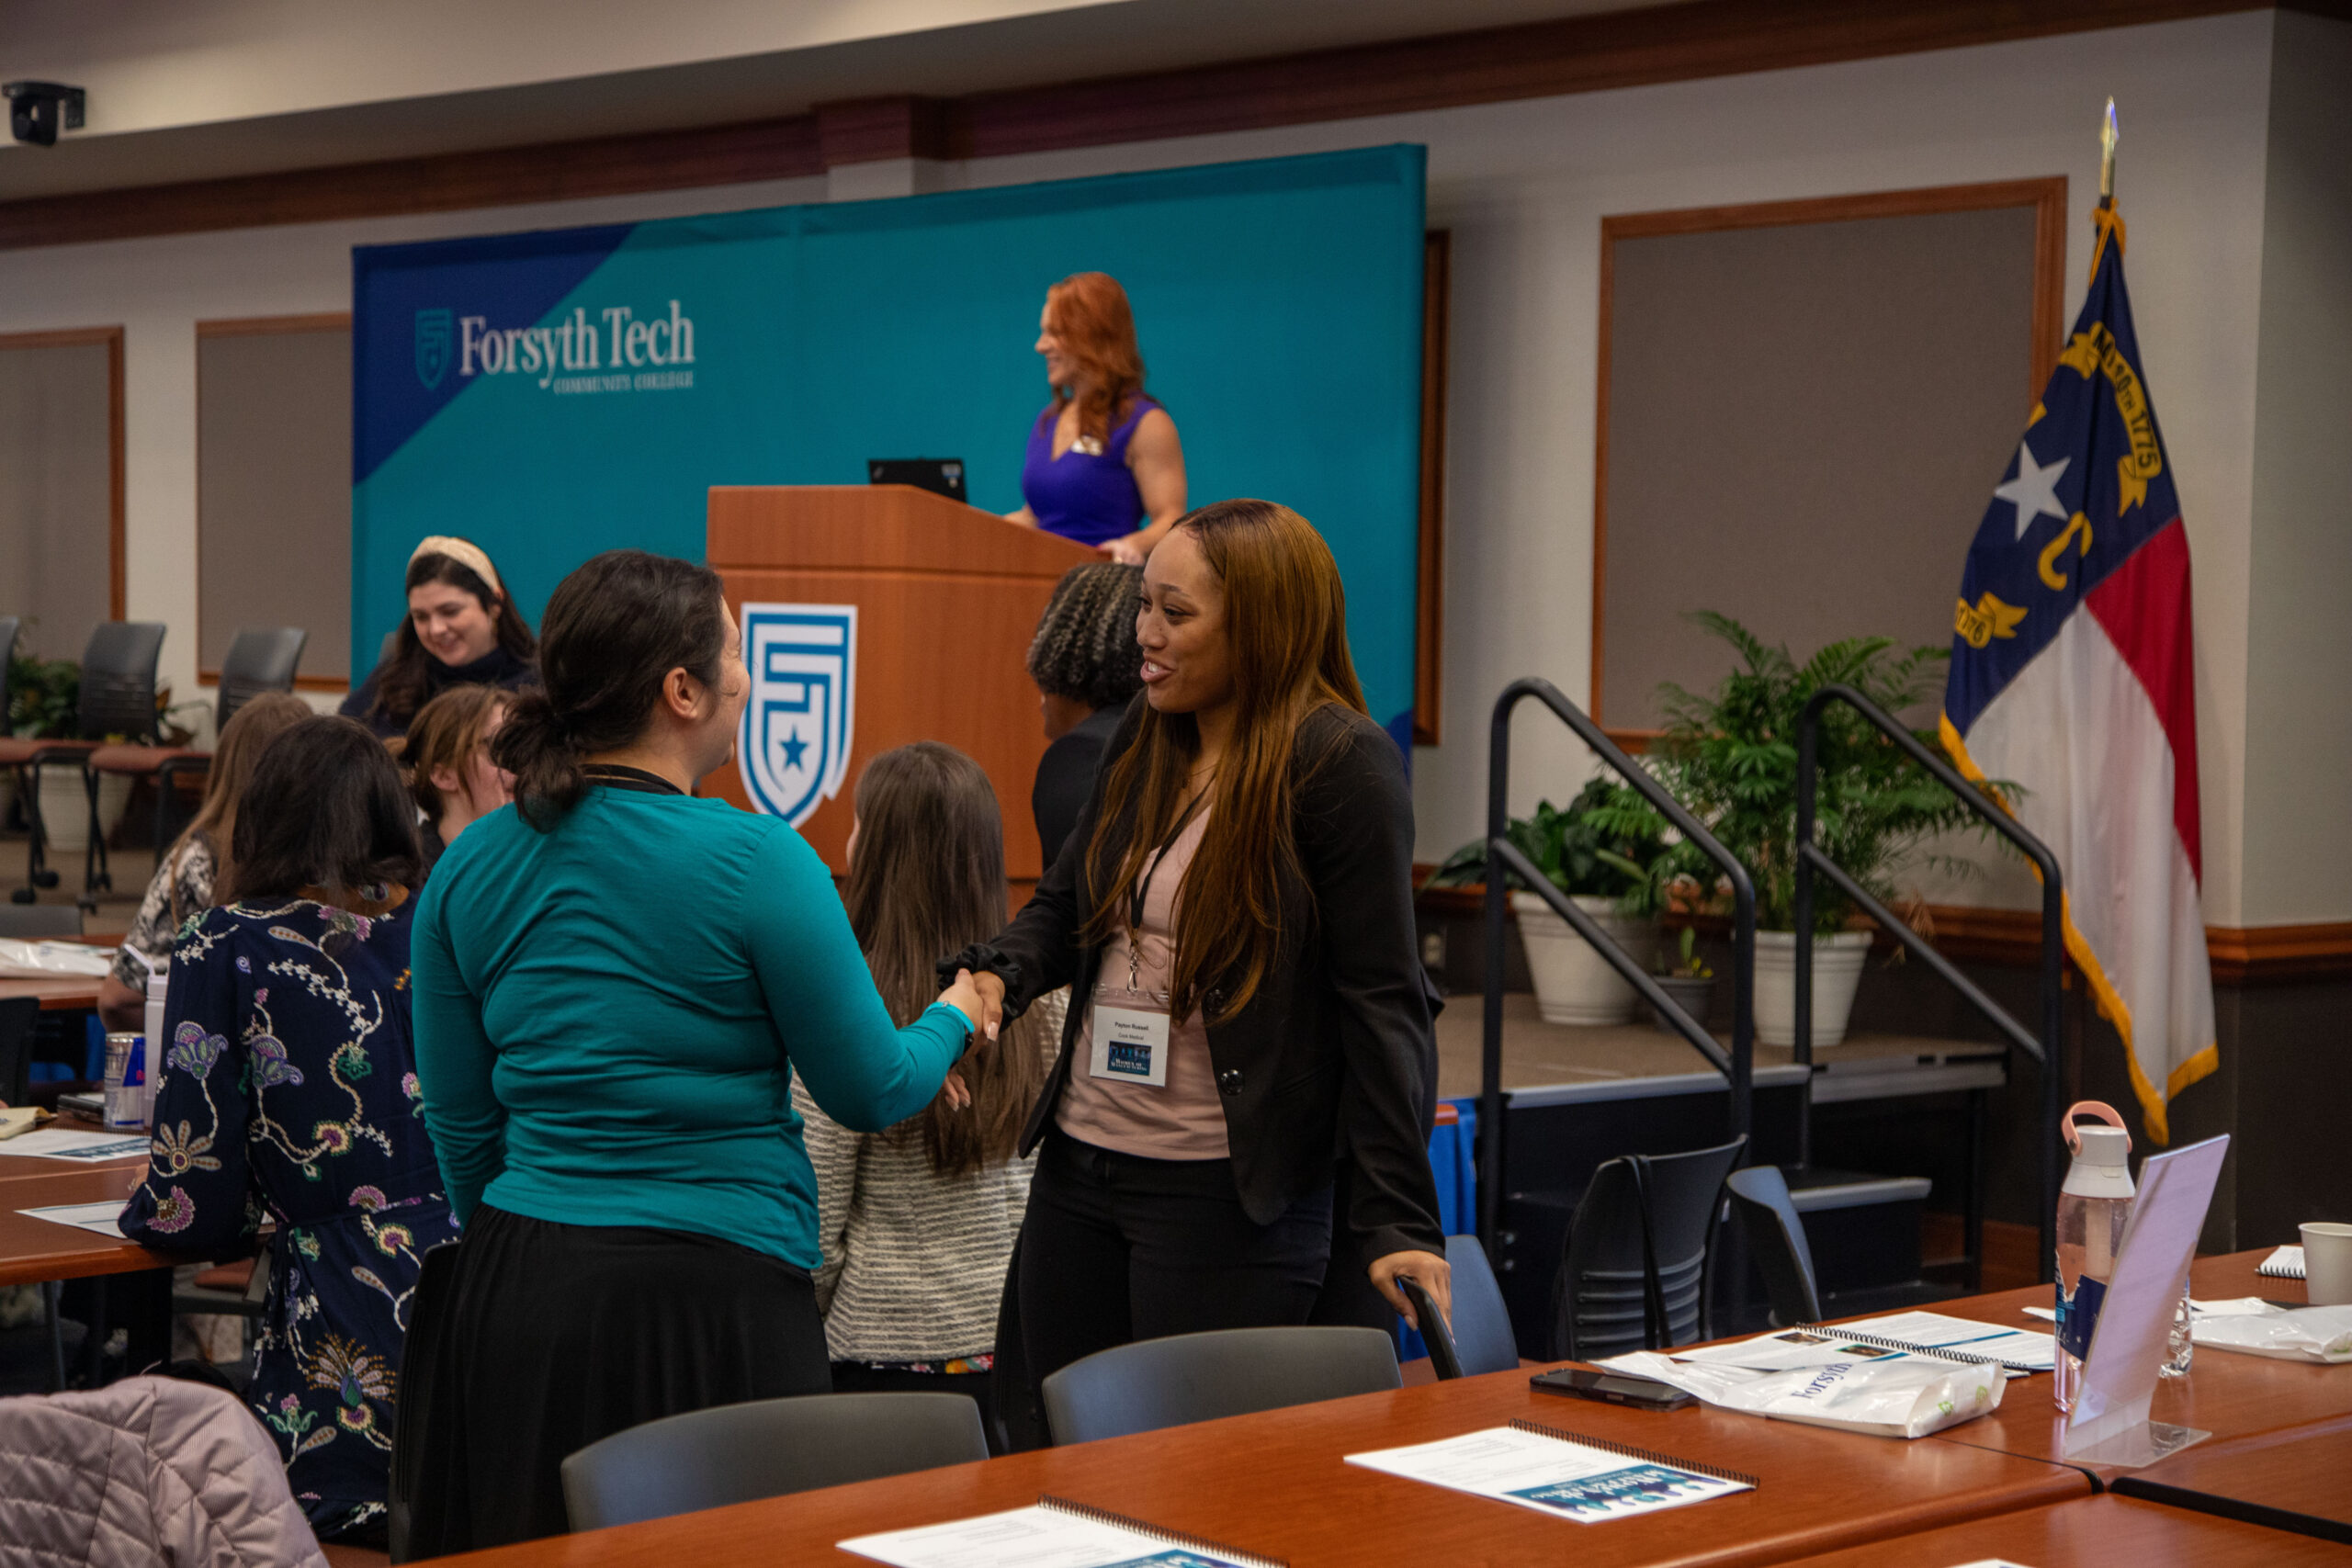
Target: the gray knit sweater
pixel 914 1261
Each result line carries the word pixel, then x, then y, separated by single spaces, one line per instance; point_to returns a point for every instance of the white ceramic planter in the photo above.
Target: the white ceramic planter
pixel 1837 971
pixel 65 808
pixel 1573 982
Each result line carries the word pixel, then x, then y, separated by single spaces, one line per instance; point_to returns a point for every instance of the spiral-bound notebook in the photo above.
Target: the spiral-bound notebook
pixel 2284 1263
pixel 1054 1533
pixel 1562 1473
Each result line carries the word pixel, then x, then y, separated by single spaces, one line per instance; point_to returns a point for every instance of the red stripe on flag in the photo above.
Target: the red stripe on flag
pixel 2144 606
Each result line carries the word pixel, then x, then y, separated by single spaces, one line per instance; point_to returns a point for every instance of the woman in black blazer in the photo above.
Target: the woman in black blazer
pixel 1248 1014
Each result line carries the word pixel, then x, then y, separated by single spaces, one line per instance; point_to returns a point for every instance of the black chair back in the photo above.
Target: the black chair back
pixel 261 659
pixel 118 679
pixel 1633 1275
pixel 17 1017
pixel 1200 1377
pixel 738 1453
pixel 1775 1233
pixel 428 1315
pixel 9 627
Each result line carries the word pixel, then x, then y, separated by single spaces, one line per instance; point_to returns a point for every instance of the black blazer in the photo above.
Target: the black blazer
pixel 1333 1059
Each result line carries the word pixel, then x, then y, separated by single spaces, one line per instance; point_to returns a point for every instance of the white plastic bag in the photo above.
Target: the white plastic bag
pixel 2291 1334
pixel 1903 1396
pixel 53 961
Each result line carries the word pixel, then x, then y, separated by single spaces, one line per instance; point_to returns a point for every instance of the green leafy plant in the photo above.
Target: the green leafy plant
pixel 1581 857
pixel 1731 756
pixel 44 697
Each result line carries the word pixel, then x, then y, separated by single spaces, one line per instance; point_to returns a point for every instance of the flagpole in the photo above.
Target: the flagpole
pixel 2108 137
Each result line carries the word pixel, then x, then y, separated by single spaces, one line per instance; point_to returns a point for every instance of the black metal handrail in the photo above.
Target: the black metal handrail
pixel 2048 1050
pixel 1737 1065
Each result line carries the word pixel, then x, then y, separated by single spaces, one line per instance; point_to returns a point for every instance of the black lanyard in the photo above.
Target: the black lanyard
pixel 614 775
pixel 1143 883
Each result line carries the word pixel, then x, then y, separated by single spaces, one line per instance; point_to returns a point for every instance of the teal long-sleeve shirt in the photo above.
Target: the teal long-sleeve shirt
pixel 608 1016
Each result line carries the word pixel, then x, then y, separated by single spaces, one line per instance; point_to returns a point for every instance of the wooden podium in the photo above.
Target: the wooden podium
pixel 947 601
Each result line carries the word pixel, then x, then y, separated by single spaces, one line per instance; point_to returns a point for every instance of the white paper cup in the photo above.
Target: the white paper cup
pixel 2327 1264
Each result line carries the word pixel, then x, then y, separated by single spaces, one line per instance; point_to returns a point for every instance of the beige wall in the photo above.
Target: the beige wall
pixel 2298 844
pixel 1525 186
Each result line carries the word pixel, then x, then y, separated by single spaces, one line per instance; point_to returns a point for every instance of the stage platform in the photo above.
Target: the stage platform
pixel 1551 1062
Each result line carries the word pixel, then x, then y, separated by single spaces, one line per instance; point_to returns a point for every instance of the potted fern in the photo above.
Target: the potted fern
pixel 44 697
pixel 1606 872
pixel 1731 756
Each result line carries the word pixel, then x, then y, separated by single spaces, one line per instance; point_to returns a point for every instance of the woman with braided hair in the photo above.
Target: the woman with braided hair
pixel 1088 669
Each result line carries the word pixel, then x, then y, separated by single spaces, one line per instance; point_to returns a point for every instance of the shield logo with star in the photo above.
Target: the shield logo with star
pixel 434 341
pixel 797 725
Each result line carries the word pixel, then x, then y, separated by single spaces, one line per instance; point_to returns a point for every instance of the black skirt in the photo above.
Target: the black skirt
pixel 555 1336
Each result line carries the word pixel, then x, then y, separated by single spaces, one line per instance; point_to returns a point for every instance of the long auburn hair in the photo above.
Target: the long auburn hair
pixel 1286 619
pixel 402 689
pixel 1088 312
pixel 261 720
pixel 928 878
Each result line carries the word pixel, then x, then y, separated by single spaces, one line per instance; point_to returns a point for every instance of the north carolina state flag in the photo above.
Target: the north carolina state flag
pixel 2071 678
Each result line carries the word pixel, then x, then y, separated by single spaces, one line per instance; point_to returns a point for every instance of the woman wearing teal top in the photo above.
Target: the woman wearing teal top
pixel 615 984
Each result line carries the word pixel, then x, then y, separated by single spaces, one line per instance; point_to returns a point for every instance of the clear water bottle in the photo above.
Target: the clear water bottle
pixel 2093 1205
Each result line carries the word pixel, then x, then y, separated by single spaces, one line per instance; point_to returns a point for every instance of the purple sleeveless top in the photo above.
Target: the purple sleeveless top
pixel 1086 496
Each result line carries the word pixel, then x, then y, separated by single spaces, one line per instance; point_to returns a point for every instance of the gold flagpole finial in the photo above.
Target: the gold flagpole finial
pixel 2108 137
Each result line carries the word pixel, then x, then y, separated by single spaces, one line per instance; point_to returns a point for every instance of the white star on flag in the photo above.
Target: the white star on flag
pixel 2034 492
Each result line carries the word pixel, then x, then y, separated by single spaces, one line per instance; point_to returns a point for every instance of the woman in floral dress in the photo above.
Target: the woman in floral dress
pixel 290 1094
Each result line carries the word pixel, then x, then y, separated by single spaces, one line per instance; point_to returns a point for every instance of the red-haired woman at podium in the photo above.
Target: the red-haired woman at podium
pixel 1104 465
pixel 1249 1031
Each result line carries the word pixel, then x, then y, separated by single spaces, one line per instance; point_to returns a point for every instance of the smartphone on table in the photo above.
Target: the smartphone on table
pixel 1613 1388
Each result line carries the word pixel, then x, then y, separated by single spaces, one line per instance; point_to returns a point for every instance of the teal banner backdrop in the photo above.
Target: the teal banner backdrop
pixel 551 395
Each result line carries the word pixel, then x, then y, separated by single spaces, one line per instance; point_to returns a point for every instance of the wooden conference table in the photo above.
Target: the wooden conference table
pixel 74 994
pixel 2235 1398
pixel 1274 1483
pixel 2095 1532
pixel 33 1249
pixel 2299 1480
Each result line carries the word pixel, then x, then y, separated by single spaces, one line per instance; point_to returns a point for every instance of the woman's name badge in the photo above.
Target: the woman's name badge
pixel 1130 1042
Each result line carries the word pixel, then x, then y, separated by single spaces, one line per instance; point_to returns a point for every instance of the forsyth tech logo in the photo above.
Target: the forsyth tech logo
pixel 612 351
pixel 434 341
pixel 794 749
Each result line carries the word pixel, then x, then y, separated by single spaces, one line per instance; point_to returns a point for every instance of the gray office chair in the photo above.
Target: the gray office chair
pixel 17 1016
pixel 736 1453
pixel 118 697
pixel 38 923
pixel 1633 1275
pixel 260 659
pixel 9 627
pixel 1775 1234
pixel 1479 1339
pixel 1200 1377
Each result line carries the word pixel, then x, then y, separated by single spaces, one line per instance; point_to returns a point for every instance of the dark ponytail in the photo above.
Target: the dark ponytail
pixel 612 631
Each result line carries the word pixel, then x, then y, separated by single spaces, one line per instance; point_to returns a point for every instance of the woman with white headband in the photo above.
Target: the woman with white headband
pixel 461 630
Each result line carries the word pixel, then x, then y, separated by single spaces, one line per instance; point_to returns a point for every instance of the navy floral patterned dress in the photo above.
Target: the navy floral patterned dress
pixel 289 1092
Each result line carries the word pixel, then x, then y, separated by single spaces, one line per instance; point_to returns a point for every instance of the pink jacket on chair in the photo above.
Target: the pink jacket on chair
pixel 146 1471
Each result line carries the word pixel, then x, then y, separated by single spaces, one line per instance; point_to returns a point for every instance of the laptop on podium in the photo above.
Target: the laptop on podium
pixel 941 476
